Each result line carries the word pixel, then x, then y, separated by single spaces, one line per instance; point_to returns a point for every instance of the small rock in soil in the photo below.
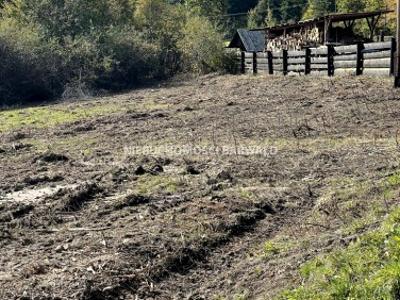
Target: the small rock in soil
pixel 224 175
pixel 157 169
pixel 192 170
pixel 140 171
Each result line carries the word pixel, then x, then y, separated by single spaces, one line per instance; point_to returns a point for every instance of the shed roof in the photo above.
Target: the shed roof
pixel 337 17
pixel 250 40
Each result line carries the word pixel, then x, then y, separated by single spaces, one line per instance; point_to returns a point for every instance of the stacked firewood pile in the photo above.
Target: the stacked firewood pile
pixel 295 40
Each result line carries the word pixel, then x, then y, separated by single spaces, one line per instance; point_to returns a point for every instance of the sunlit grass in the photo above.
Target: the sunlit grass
pixel 368 268
pixel 50 116
pixel 53 115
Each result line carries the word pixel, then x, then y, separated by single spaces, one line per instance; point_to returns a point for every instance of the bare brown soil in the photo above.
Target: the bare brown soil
pixel 81 218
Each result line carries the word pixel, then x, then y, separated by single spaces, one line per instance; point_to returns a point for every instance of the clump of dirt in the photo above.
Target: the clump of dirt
pixel 156 169
pixel 132 200
pixel 15 147
pixel 224 176
pixel 15 136
pixel 192 170
pixel 140 170
pixel 50 157
pixel 35 180
pixel 303 131
pixel 15 212
pixel 74 199
pixel 21 146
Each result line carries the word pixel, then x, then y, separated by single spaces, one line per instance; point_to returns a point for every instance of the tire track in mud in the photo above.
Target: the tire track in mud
pixel 184 259
pixel 212 274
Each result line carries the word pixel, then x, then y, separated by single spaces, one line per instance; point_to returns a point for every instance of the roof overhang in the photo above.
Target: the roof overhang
pixel 333 18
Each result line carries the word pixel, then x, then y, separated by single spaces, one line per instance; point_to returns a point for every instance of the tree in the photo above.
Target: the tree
pixel 202 46
pixel 292 10
pixel 318 8
pixel 266 13
pixel 240 6
pixel 346 6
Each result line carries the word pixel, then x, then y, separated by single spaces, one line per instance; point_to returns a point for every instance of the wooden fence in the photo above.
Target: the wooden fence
pixel 362 58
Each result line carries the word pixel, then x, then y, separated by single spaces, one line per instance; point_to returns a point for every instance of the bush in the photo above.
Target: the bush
pixel 202 46
pixel 230 62
pixel 29 67
pixel 88 45
pixel 127 59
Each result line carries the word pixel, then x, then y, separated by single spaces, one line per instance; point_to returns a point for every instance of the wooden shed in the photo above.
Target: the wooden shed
pixel 336 29
pixel 249 40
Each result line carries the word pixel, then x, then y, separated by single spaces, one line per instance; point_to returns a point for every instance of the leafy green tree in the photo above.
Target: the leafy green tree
pixel 318 8
pixel 202 46
pixel 292 10
pixel 205 8
pixel 350 5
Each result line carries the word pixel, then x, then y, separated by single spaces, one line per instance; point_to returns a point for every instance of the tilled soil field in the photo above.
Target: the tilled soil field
pixel 176 192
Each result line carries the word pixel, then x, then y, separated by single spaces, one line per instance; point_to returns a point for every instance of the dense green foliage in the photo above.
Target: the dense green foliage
pixel 71 47
pixel 271 12
pixel 368 268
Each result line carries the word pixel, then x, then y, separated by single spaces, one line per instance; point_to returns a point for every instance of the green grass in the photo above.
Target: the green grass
pixel 148 185
pixel 53 115
pixel 272 248
pixel 50 116
pixel 367 269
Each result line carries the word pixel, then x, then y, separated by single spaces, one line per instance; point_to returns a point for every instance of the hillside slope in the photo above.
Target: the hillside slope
pixel 148 195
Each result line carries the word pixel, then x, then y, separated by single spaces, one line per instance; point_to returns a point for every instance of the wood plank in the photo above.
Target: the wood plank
pixel 377 72
pixel 345 71
pixel 296 53
pixel 297 60
pixel 319 60
pixel 262 67
pixel 377 63
pixel 319 51
pixel 297 68
pixel 319 66
pixel 248 54
pixel 262 55
pixel 262 60
pixel 344 64
pixel 378 46
pixel 378 54
pixel 346 49
pixel 345 57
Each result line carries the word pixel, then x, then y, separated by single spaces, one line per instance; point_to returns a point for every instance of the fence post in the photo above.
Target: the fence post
pixel 255 63
pixel 392 55
pixel 285 62
pixel 243 63
pixel 360 59
pixel 331 54
pixel 307 67
pixel 270 63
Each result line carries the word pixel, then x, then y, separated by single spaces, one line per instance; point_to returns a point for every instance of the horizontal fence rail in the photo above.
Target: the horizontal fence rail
pixel 375 59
